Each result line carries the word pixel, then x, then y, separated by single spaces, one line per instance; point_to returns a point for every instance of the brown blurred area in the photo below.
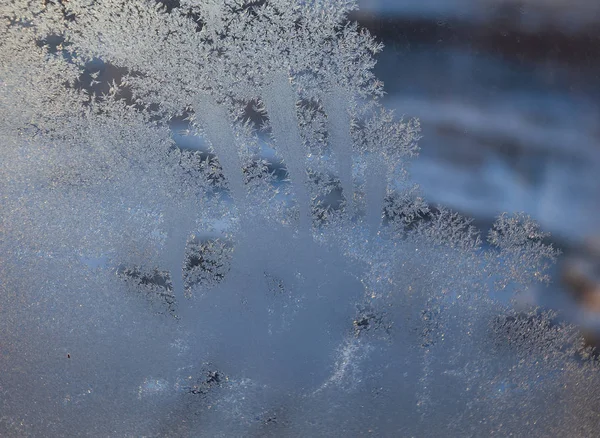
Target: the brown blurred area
pixel 581 272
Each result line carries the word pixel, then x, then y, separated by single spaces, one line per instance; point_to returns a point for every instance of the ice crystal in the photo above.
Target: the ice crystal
pixel 275 274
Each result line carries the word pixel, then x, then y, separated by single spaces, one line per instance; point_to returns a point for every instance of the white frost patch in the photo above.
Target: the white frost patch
pixel 152 387
pixel 347 371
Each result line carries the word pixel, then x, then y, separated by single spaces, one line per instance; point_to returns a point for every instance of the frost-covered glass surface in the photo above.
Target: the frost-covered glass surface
pixel 208 228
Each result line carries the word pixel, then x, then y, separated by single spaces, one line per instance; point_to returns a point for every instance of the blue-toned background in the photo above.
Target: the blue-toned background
pixel 508 94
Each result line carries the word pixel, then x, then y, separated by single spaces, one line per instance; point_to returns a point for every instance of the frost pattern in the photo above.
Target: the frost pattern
pixel 285 279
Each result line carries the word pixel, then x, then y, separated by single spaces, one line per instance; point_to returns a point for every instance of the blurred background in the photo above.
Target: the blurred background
pixel 508 94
